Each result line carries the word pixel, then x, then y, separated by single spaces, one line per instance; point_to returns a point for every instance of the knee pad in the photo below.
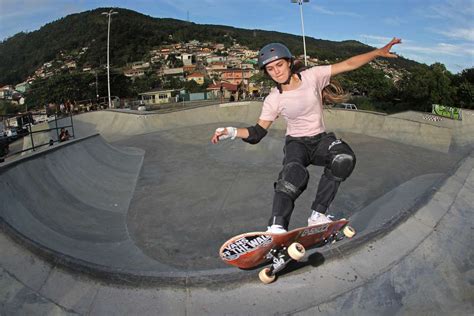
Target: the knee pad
pixel 293 180
pixel 341 161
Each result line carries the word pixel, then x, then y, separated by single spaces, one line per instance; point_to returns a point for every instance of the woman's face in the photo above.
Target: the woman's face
pixel 279 70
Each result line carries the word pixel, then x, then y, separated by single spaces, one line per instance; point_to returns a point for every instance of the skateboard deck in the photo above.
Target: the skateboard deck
pixel 250 250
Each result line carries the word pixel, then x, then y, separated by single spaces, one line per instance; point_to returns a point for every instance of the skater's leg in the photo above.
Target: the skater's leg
pixel 339 162
pixel 291 182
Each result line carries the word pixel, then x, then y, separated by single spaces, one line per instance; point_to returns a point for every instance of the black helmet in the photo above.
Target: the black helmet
pixel 271 52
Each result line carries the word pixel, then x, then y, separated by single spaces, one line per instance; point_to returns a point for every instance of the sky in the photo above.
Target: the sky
pixel 431 30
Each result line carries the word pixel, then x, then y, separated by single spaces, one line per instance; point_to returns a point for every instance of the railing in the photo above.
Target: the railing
pixel 7 153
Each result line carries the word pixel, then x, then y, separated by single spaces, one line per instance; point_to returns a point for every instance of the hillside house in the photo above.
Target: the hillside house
pixel 217 65
pixel 140 65
pixel 211 59
pixel 6 92
pixel 250 53
pixel 222 90
pixel 189 69
pixel 249 64
pixel 22 87
pixel 187 59
pixel 71 64
pixel 134 73
pixel 158 96
pixel 173 72
pixel 197 77
pixel 235 76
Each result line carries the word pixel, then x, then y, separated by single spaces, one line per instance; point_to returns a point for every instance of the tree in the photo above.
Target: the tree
pixel 464 85
pixel 425 86
pixel 262 79
pixel 414 90
pixel 173 62
pixel 372 89
pixel 7 107
pixel 60 88
pixel 143 84
pixel 192 86
pixel 441 91
pixel 468 75
pixel 465 95
pixel 172 83
pixel 120 85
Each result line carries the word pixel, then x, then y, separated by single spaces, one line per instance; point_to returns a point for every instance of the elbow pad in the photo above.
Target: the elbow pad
pixel 256 133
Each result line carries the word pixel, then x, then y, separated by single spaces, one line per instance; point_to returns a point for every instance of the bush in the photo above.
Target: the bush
pixel 7 107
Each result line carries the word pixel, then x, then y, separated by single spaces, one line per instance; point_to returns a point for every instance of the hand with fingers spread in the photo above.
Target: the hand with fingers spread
pixel 385 51
pixel 363 59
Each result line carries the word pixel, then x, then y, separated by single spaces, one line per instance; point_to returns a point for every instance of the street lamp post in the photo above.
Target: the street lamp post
pixel 109 14
pixel 300 3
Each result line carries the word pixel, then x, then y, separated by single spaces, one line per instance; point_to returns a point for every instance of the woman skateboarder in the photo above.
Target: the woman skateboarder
pixel 298 97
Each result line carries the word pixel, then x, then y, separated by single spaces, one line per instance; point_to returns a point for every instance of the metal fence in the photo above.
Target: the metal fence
pixel 9 142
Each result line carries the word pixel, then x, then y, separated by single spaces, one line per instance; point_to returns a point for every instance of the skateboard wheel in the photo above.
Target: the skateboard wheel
pixel 265 277
pixel 349 232
pixel 296 251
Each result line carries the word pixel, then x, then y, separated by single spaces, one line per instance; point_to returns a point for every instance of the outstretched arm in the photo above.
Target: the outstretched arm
pixel 362 59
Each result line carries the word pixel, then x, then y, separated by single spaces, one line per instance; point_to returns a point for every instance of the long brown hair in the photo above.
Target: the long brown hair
pixel 332 93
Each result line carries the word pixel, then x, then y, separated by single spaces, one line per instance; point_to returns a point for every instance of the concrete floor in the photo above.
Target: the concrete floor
pixel 131 224
pixel 193 193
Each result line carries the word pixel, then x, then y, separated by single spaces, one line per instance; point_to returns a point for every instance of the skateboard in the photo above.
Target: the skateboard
pixel 253 249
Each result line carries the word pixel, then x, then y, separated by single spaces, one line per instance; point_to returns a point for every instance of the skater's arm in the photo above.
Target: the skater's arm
pixel 232 132
pixel 244 132
pixel 362 59
pixel 265 124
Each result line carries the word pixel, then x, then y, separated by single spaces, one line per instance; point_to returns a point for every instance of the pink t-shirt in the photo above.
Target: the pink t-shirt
pixel 301 108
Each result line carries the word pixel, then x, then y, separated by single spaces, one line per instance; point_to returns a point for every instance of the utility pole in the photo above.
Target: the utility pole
pixel 300 3
pixel 96 87
pixel 109 14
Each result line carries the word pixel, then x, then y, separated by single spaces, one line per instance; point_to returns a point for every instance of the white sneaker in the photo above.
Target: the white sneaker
pixel 276 229
pixel 317 218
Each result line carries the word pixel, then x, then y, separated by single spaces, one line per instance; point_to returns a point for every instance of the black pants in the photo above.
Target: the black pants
pixel 316 150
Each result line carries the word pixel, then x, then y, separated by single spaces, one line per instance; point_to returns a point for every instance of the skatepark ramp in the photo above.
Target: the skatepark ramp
pixel 120 203
pixel 73 200
pixel 407 127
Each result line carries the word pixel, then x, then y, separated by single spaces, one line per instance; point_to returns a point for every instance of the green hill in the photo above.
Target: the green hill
pixel 133 34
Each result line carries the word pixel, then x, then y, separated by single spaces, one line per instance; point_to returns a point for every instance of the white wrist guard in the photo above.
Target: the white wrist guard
pixel 231 132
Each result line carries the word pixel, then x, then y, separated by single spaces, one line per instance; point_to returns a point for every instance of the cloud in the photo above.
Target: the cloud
pixel 323 10
pixel 439 49
pixel 378 39
pixel 466 34
pixel 454 19
pixel 454 55
pixel 451 11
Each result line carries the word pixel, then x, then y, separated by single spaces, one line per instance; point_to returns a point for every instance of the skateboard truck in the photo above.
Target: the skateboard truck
pixel 280 258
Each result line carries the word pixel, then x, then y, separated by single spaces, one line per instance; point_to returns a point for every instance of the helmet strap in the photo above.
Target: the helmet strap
pixel 289 79
pixel 287 82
